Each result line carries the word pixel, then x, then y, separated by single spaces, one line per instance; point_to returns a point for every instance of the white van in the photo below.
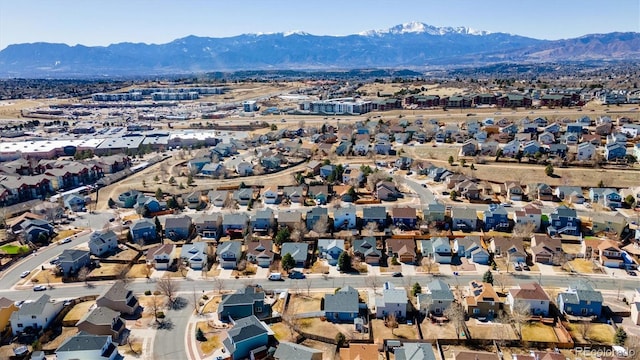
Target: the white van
pixel 275 277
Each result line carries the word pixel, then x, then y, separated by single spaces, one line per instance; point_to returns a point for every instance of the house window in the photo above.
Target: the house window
pixel 33 316
pixel 19 325
pixel 258 309
pixel 476 311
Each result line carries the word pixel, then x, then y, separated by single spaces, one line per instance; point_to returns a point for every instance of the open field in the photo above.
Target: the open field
pixel 381 332
pixel 538 332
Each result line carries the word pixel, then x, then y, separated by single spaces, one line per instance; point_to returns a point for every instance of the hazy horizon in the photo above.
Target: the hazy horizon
pixel 101 23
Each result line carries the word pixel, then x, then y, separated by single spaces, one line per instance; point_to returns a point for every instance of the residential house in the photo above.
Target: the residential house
pixel 610 254
pixel 512 249
pixel 117 297
pixel 214 170
pixel 635 306
pixel 162 256
pixel 270 195
pixel 193 200
pixel 288 350
pixel 436 298
pixel 387 191
pixel 7 307
pixel 359 352
pixel 415 351
pixel 511 148
pixel 393 301
pixel 608 223
pixel 564 221
pixel 530 148
pixel 229 253
pixel 441 250
pixel 86 346
pixel 234 224
pixel 35 229
pixel 474 355
pixel 243 196
pixel 243 303
pixel 74 202
pixel 327 170
pixel 344 218
pixel 375 214
pixel 195 255
pixel 463 218
pixel 260 252
pixel 143 231
pixel 342 306
pixel 539 191
pixel 289 219
pixel 218 197
pixel 299 252
pixel 330 250
pixel 244 168
pixel 366 250
pixel 72 260
pixel 103 242
pixel 317 214
pixel 514 190
pixel 614 151
pixel 263 221
pixel 313 167
pixel 489 148
pixel 434 212
pixel 103 321
pixel 404 250
pixel 177 228
pixel 572 194
pixel 495 218
pixel 207 226
pixel 352 175
pixel 33 317
pixel 580 299
pixel 404 218
pixel 482 300
pixel 559 150
pixel 546 250
pixel 529 214
pixel 195 165
pixel 470 247
pixel 247 335
pixel 606 196
pixel 531 296
pixel 546 138
pixel 382 147
pixel 469 148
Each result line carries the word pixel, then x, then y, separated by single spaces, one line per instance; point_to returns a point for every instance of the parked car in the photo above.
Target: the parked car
pixel 397 274
pixel 25 274
pixel 516 266
pixel 55 260
pixel 524 266
pixel 296 275
pixel 39 288
pixel 64 241
pixel 631 273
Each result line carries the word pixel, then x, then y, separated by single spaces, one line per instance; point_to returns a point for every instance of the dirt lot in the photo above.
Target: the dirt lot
pixel 538 332
pixel 432 331
pixel 490 330
pixel 300 304
pixel 403 331
pixel 582 266
pixel 327 329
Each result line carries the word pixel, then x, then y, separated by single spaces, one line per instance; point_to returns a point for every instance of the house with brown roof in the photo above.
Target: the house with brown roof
pixel 117 297
pixel 545 249
pixel 359 352
pixel 404 218
pixel 482 300
pixel 260 252
pixel 103 321
pixel 512 249
pixel 402 249
pixel 162 256
pixel 610 255
pixel 475 355
pixel 529 214
pixel 540 355
pixel 531 295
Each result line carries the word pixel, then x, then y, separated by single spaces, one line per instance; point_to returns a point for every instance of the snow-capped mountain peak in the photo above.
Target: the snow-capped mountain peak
pixel 416 27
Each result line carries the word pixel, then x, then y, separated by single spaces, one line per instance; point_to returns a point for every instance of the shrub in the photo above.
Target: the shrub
pixel 148 292
pixel 200 335
pixel 160 315
pixel 157 292
pixel 205 297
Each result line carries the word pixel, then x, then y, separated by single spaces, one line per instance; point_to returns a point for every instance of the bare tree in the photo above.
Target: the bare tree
pixel 308 283
pixel 83 275
pixel 122 273
pixel 502 280
pixel 183 269
pixel 372 281
pixel 428 264
pixel 391 322
pixel 524 230
pixel 376 177
pixel 299 231
pixel 167 287
pixel 230 203
pixel 520 314
pixel 455 314
pixel 155 304
pixel 584 329
pixel 218 284
pixel 195 301
pixel 321 226
pixel 131 341
pixel 371 228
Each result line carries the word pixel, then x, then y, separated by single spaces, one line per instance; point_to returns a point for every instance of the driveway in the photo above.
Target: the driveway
pixel 373 270
pixel 225 273
pixel 408 270
pixel 261 272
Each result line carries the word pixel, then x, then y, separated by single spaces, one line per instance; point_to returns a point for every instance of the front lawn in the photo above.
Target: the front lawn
pixel 13 249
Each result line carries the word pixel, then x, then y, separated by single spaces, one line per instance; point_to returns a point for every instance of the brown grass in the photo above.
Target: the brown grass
pixel 300 304
pixel 434 331
pixel 282 331
pixel 67 332
pixel 78 312
pixel 212 305
pixel 140 271
pixel 106 270
pixel 490 331
pixel 63 234
pixel 41 276
pixel 538 332
pixel 597 333
pixel 319 268
pixel 213 338
pixel 403 331
pixel 582 266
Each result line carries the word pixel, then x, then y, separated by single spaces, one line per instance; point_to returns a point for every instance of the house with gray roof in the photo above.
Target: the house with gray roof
pixel 342 306
pixel 441 250
pixel 207 225
pixel 102 321
pixel 247 334
pixel 229 253
pixel 366 249
pixel 288 350
pixel 243 196
pixel 299 252
pixel 72 260
pixel 218 197
pixel 316 214
pixel 580 299
pixel 86 346
pixel 195 255
pixel 117 297
pixel 435 299
pixel 330 249
pixel 244 302
pixel 289 218
pixel 375 214
pixel 143 231
pixel 263 220
pixel 234 223
pixel 415 351
pixel 33 317
pixel 393 301
pixel 463 218
pixel 434 212
pixel 103 242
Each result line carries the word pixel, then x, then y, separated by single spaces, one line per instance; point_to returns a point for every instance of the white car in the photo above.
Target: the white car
pixel 64 241
pixel 25 274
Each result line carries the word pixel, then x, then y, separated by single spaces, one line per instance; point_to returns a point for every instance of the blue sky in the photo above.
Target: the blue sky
pixel 104 22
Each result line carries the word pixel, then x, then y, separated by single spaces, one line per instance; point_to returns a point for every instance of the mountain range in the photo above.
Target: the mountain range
pixel 412 45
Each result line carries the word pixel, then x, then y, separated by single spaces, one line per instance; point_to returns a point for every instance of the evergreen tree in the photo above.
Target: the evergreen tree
pixel 282 236
pixel 620 337
pixel 288 262
pixel 488 277
pixel 158 227
pixel 344 261
pixel 416 289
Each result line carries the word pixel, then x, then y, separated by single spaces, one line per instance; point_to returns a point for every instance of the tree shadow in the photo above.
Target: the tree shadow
pixel 166 324
pixel 179 303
